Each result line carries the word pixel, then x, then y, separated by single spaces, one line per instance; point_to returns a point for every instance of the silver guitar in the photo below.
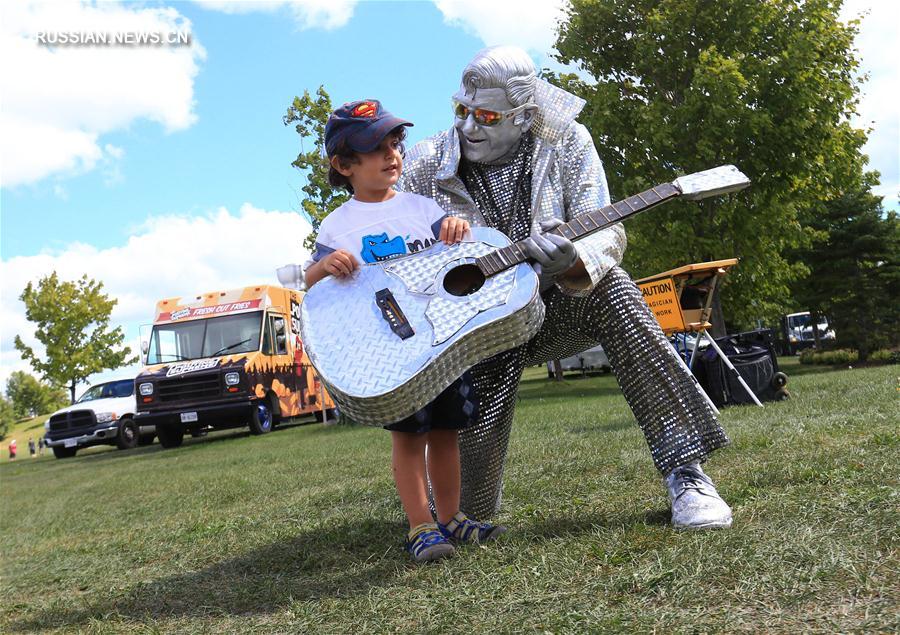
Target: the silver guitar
pixel 389 338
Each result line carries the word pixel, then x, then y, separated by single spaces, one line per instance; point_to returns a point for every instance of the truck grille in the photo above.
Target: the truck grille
pixel 72 420
pixel 189 387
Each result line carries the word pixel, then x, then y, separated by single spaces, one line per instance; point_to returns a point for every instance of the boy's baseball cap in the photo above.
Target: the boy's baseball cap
pixel 362 125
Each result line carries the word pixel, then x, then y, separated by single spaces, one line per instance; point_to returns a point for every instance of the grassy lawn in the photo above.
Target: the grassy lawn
pixel 301 531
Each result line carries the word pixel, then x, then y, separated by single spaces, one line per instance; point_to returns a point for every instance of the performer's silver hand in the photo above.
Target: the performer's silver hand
pixel 554 255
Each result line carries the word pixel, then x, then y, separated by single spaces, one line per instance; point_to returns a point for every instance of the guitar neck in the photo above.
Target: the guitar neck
pixel 581 226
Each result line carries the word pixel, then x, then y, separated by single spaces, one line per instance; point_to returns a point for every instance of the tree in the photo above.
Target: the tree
pixel 30 397
pixel 7 417
pixel 685 85
pixel 72 321
pixel 855 270
pixel 310 116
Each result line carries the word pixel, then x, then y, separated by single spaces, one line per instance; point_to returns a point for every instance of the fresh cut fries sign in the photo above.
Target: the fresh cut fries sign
pixel 662 298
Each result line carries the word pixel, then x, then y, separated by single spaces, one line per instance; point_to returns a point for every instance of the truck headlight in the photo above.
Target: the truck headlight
pixel 106 417
pixel 47 425
pixel 146 389
pixel 232 379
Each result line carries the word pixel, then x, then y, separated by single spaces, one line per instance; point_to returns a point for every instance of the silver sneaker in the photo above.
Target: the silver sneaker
pixel 695 502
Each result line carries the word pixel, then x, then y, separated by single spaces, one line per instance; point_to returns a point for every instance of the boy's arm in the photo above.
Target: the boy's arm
pixel 338 263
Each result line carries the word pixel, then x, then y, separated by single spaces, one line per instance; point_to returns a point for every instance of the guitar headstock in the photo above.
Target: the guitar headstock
pixel 721 180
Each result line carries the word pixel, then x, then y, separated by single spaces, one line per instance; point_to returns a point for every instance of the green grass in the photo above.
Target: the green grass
pixel 301 531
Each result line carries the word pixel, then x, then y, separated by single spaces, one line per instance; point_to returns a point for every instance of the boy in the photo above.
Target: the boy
pixel 364 143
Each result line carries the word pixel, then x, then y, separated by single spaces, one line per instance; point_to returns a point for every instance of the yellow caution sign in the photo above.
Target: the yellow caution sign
pixel 662 298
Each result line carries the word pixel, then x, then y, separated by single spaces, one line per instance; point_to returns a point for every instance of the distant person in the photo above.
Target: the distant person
pixel 41 446
pixel 12 450
pixel 32 449
pixel 364 143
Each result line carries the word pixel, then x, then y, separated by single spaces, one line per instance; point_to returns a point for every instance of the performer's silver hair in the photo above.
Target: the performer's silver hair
pixel 506 67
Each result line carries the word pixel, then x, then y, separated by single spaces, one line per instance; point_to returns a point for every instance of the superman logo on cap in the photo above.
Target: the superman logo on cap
pixel 364 109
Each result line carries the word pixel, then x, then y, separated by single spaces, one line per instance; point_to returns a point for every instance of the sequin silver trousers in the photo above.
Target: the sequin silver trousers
pixel 676 420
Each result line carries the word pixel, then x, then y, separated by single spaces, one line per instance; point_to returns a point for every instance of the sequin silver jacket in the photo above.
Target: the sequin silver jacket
pixel 567 178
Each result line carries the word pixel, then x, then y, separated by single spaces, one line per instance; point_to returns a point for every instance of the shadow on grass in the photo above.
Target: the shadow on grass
pixel 561 526
pixel 341 561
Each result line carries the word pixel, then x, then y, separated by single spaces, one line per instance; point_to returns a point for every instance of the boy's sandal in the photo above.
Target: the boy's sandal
pixel 426 542
pixel 462 529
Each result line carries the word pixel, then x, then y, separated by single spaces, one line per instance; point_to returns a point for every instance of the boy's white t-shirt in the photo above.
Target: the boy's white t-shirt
pixel 374 232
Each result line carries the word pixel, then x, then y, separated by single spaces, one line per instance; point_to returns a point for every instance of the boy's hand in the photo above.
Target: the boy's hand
pixel 453 230
pixel 339 263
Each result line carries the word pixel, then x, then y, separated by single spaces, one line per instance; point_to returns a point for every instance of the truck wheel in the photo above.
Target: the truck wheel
pixel 261 417
pixel 779 380
pixel 64 453
pixel 129 432
pixel 782 395
pixel 169 437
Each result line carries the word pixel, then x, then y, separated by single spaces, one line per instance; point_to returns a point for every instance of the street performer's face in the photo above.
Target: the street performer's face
pixel 489 127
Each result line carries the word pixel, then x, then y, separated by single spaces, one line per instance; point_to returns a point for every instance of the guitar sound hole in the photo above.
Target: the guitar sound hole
pixel 463 280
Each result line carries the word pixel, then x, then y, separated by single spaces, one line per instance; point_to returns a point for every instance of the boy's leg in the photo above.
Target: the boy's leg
pixel 443 472
pixel 408 466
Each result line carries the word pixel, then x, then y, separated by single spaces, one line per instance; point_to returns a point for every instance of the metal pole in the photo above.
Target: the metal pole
pixel 734 370
pixel 696 383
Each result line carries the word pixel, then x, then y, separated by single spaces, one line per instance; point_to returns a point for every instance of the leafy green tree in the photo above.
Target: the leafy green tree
pixel 310 116
pixel 72 320
pixel 31 397
pixel 7 417
pixel 855 270
pixel 681 86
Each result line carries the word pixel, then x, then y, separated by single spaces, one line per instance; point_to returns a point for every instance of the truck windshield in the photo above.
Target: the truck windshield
pixel 197 339
pixel 123 388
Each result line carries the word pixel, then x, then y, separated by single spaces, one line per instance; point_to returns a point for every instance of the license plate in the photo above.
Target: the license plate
pixel 70 443
pixel 188 417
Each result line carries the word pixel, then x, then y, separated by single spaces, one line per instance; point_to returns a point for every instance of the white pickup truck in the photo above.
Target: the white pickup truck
pixel 103 415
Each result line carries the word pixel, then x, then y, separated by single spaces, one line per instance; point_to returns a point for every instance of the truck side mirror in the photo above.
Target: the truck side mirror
pixel 145 346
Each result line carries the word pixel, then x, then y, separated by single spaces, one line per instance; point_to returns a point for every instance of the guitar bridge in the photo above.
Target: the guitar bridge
pixel 392 314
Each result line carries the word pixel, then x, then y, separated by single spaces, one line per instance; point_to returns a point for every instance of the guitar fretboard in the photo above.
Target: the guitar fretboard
pixel 582 225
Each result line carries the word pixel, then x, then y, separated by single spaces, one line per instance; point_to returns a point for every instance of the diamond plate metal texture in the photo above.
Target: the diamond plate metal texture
pixel 419 273
pixel 448 316
pixel 378 378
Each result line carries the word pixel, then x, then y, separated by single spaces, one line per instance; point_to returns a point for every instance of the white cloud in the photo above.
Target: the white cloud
pixel 529 25
pixel 58 101
pixel 167 256
pixel 308 14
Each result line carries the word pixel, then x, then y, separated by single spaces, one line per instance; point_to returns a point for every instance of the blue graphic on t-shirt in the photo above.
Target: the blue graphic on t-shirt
pixel 376 248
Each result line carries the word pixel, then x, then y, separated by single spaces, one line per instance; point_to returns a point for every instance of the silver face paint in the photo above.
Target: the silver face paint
pixel 489 144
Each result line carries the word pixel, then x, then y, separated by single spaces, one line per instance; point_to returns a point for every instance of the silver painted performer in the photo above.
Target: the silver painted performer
pixel 516 159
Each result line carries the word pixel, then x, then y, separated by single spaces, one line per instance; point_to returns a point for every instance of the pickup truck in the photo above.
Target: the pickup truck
pixel 103 415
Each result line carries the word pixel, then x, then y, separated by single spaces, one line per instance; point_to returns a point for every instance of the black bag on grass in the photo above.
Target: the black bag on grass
pixel 754 359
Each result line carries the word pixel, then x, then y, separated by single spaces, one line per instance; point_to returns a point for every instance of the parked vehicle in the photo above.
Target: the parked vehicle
pixel 591 359
pixel 227 359
pixel 797 331
pixel 103 415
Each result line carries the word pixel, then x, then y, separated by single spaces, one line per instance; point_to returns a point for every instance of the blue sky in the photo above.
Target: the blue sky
pixel 166 170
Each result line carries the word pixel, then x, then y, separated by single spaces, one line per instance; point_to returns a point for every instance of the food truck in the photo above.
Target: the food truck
pixel 227 359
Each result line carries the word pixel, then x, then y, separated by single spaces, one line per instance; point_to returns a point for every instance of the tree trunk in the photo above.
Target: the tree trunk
pixel 72 391
pixel 557 370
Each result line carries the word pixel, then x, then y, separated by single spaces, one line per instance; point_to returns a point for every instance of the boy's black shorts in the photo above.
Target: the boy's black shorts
pixel 454 409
